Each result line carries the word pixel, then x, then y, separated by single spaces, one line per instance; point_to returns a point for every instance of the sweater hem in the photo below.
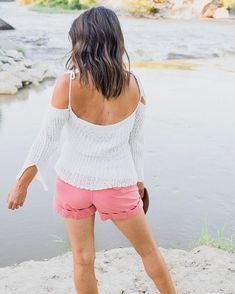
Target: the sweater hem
pixel 81 181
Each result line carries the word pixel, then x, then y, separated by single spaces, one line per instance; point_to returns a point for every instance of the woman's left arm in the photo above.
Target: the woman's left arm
pixel 44 145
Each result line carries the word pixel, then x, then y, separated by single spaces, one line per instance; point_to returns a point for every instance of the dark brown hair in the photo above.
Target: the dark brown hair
pixel 98 49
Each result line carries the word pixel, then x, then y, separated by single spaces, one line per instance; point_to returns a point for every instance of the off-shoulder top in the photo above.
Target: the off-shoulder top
pixel 92 156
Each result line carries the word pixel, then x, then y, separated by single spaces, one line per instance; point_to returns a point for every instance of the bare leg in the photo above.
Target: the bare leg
pixel 137 230
pixel 81 235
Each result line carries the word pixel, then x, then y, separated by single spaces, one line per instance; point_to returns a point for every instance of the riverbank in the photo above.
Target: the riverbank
pixel 195 9
pixel 204 270
pixel 16 71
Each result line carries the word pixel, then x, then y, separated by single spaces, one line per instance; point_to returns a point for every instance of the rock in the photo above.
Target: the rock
pixel 49 75
pixel 7 88
pixel 210 8
pixel 25 77
pixel 5 26
pixel 37 72
pixel 9 83
pixel 16 72
pixel 5 59
pixel 198 5
pixel 16 55
pixel 10 78
pixel 17 67
pixel 28 63
pixel 221 13
pixel 232 11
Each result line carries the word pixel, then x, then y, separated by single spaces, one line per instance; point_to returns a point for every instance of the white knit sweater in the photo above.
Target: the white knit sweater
pixel 92 156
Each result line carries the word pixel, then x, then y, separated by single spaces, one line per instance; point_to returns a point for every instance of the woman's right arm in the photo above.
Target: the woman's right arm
pixel 44 145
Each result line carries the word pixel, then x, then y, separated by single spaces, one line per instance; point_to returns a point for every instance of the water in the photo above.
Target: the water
pixel 189 134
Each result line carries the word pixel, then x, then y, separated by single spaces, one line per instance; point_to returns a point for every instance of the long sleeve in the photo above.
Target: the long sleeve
pixel 45 143
pixel 136 139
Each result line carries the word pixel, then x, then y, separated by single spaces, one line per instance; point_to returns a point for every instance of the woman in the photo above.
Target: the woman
pixel 101 105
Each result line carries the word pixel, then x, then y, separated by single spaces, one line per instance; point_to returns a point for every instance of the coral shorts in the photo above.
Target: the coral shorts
pixel 111 203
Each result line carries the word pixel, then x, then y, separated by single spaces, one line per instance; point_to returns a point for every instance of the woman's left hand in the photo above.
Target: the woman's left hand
pixel 141 188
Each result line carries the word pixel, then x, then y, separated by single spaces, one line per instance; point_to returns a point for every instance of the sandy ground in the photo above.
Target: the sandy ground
pixel 203 270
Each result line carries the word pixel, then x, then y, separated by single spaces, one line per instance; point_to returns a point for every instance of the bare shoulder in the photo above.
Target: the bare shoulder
pixel 136 86
pixel 60 95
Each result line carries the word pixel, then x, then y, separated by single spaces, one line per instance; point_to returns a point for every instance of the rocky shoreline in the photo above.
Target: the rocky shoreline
pixel 174 9
pixel 204 270
pixel 16 71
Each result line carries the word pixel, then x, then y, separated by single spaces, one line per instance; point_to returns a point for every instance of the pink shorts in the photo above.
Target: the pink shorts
pixel 111 203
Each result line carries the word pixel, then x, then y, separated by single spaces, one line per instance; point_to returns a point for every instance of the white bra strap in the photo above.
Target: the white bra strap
pixel 141 89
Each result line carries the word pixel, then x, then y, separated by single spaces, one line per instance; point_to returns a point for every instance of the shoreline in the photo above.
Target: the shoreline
pixel 202 270
pixel 189 13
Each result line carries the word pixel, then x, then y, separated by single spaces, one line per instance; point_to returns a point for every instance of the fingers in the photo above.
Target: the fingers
pixel 141 188
pixel 14 205
pixel 142 192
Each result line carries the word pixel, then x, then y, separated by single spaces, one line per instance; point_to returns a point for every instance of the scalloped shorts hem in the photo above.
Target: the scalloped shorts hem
pixel 112 203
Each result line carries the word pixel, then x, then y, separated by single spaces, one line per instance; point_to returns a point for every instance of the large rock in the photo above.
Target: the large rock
pixel 5 26
pixel 14 54
pixel 210 9
pixel 221 13
pixel 9 83
pixel 232 11
pixel 16 71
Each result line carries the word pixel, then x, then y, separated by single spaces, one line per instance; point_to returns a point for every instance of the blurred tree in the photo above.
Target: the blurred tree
pixel 228 3
pixel 88 3
pixel 71 4
pixel 138 6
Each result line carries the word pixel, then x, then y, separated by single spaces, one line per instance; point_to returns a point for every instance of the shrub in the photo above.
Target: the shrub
pixel 74 4
pixel 71 4
pixel 88 3
pixel 138 7
pixel 228 3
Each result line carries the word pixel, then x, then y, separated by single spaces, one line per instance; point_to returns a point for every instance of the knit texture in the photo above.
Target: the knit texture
pixel 92 156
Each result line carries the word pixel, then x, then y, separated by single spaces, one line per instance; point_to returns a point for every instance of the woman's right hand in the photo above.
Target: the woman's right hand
pixel 141 188
pixel 16 196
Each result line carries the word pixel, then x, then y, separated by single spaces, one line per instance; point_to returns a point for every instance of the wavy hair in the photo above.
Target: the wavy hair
pixel 98 49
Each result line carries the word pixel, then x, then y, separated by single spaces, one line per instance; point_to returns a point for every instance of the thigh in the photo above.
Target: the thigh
pixel 138 232
pixel 81 236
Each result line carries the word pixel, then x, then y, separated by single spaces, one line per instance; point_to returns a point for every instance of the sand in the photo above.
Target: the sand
pixel 202 270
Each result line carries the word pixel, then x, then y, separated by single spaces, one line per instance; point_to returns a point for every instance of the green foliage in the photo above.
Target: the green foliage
pixel 139 7
pixel 88 3
pixel 71 4
pixel 47 9
pixel 21 50
pixel 60 4
pixel 153 10
pixel 74 4
pixel 221 242
pixel 228 3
